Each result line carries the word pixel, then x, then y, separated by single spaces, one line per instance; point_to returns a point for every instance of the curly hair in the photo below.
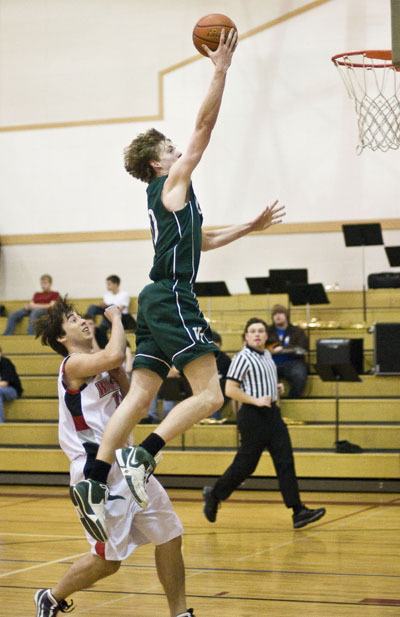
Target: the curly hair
pixel 49 327
pixel 139 153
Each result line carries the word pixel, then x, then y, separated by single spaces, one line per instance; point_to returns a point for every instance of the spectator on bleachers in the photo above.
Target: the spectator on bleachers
pixel 223 364
pixel 288 345
pixel 180 386
pixel 113 295
pixel 183 389
pixel 10 384
pixel 41 301
pixel 100 338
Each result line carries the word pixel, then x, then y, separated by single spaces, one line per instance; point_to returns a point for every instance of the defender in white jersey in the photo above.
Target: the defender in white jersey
pixel 91 384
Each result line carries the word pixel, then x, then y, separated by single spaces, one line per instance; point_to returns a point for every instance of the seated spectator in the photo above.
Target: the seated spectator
pixel 113 295
pixel 100 338
pixel 223 364
pixel 177 383
pixel 10 385
pixel 38 306
pixel 288 345
pixel 174 383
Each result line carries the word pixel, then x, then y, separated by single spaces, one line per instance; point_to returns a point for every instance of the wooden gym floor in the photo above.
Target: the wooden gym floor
pixel 251 563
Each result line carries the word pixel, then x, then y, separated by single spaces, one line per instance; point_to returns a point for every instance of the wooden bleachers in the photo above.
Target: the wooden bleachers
pixel 369 411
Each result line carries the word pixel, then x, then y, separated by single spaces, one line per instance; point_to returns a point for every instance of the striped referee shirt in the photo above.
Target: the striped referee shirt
pixel 256 372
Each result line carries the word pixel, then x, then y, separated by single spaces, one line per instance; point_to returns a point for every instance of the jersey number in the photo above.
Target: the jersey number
pixel 154 226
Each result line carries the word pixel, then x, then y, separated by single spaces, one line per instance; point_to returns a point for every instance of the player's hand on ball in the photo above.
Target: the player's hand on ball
pixel 272 215
pixel 112 312
pixel 222 56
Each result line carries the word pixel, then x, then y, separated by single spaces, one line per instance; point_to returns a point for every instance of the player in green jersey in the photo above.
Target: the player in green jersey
pixel 171 330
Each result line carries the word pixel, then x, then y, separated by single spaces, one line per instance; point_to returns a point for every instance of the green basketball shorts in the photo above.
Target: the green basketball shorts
pixel 171 329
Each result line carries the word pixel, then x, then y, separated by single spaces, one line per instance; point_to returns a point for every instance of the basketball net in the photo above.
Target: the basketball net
pixel 373 83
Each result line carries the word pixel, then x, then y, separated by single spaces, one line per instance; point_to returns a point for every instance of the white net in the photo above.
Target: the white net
pixel 374 85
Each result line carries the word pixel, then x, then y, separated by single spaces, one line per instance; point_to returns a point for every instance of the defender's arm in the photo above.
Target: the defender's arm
pixel 81 366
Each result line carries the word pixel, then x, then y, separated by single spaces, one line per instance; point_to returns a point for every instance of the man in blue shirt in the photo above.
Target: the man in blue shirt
pixel 289 346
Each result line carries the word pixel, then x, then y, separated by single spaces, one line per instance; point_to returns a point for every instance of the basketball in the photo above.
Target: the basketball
pixel 207 31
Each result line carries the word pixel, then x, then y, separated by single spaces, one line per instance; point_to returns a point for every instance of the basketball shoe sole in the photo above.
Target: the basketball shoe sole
pixel 89 498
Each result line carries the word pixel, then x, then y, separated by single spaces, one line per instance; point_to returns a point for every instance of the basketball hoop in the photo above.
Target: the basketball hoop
pixel 373 82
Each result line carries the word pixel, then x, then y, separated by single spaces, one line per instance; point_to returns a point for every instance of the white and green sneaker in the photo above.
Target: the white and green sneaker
pixel 136 465
pixel 89 498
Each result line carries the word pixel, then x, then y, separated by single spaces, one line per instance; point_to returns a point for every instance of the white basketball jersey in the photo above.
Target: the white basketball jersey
pixel 84 413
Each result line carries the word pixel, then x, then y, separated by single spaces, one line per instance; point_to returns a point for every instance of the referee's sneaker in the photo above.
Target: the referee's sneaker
pixel 302 515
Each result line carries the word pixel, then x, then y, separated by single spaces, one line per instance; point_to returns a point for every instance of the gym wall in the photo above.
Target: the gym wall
pixel 287 130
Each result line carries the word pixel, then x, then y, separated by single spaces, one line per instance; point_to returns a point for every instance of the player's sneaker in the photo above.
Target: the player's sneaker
pixel 89 498
pixel 188 613
pixel 47 605
pixel 137 465
pixel 307 516
pixel 211 504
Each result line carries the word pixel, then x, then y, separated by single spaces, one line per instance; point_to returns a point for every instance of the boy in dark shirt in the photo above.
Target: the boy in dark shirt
pixel 289 350
pixel 10 385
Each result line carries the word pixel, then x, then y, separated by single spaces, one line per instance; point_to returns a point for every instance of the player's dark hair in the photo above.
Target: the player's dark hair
pixel 252 321
pixel 113 278
pixel 139 153
pixel 49 327
pixel 48 277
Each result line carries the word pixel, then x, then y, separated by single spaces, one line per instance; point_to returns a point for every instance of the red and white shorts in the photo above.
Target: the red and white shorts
pixel 128 526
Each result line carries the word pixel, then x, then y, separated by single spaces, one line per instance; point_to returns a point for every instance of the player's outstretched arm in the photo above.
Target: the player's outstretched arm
pixel 174 192
pixel 83 365
pixel 271 215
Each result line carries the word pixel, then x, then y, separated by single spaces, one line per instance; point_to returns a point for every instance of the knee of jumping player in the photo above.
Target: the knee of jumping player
pixel 139 403
pixel 213 399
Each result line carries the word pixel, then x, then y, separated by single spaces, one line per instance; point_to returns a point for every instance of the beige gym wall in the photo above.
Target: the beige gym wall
pixel 287 130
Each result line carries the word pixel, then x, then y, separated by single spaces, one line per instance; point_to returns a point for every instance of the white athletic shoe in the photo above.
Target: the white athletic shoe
pixel 137 465
pixel 89 498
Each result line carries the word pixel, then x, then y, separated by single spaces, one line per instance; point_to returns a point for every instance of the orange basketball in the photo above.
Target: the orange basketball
pixel 207 31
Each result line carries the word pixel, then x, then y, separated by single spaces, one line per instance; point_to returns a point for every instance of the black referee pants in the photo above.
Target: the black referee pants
pixel 261 428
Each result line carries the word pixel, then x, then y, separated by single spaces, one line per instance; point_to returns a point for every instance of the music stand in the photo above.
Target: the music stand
pixel 393 255
pixel 364 234
pixel 211 289
pixel 337 373
pixel 258 284
pixel 305 295
pixel 281 280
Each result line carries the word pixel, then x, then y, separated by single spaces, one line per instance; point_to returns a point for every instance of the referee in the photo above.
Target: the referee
pixel 252 380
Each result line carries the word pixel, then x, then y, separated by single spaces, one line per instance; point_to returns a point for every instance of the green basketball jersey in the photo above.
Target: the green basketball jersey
pixel 176 236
